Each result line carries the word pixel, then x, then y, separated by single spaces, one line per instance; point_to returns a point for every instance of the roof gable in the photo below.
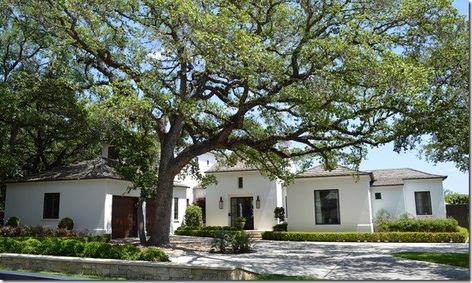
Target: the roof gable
pixel 393 177
pixel 319 171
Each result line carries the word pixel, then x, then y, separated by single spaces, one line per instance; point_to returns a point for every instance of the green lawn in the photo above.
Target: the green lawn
pixel 275 277
pixel 456 259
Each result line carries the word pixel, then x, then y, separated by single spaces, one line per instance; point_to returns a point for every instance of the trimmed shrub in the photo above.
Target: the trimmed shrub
pixel 413 237
pixel 13 222
pixel 208 231
pixel 417 225
pixel 463 231
pixel 66 223
pixel 152 254
pixel 193 216
pixel 52 246
pixel 279 214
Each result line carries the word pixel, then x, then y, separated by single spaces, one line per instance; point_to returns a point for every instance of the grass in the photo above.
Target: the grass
pixel 275 277
pixel 74 275
pixel 455 259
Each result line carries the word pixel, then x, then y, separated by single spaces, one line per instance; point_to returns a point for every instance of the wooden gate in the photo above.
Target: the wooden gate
pixel 459 212
pixel 124 218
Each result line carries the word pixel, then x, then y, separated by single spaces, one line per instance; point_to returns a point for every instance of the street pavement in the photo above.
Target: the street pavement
pixel 331 261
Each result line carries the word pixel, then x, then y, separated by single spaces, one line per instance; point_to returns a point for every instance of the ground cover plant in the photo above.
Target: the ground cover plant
pixel 79 247
pixel 455 259
pixel 425 237
pixel 236 242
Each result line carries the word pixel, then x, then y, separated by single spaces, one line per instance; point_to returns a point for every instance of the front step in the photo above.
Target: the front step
pixel 255 234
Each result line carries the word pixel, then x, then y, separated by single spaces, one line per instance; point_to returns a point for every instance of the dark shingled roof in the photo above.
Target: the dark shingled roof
pixel 240 166
pixel 97 168
pixel 319 171
pixel 393 177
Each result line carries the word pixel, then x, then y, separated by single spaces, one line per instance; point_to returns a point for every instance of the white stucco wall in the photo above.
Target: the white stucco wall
pixel 254 185
pixel 392 200
pixel 434 186
pixel 353 204
pixel 87 202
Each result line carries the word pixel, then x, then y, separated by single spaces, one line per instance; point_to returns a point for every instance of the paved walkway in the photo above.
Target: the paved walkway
pixel 331 261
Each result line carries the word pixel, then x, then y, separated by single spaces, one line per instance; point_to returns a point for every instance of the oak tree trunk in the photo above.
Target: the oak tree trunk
pixel 161 228
pixel 141 232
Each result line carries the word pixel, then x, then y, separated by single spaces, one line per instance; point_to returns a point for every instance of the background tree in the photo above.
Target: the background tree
pixel 248 77
pixel 456 198
pixel 43 120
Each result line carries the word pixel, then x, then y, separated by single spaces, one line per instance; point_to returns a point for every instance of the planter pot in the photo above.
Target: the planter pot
pixel 241 224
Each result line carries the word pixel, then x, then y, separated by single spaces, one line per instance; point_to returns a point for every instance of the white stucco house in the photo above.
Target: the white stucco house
pixel 94 195
pixel 319 200
pixel 97 198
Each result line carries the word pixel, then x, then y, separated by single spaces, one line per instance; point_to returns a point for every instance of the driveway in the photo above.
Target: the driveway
pixel 330 261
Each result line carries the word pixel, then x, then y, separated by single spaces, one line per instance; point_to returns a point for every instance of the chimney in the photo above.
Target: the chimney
pixel 105 148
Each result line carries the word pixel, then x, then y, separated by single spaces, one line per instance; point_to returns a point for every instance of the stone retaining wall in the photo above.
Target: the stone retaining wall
pixel 133 270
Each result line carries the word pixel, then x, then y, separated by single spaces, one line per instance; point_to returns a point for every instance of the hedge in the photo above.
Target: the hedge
pixel 416 225
pixel 207 231
pixel 414 237
pixel 79 247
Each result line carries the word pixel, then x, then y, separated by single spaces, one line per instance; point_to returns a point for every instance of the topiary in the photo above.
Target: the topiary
pixel 66 223
pixel 193 216
pixel 13 222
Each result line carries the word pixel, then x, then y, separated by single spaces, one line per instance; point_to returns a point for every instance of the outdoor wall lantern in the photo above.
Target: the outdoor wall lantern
pixel 258 202
pixel 221 203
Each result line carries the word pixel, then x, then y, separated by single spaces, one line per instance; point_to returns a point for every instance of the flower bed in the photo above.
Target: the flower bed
pixel 79 247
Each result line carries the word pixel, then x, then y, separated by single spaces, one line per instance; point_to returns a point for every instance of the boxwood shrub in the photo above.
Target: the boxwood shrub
pixel 416 225
pixel 207 231
pixel 79 247
pixel 413 237
pixel 37 231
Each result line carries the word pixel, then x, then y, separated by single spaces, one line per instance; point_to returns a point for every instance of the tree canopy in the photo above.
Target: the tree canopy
pixel 270 82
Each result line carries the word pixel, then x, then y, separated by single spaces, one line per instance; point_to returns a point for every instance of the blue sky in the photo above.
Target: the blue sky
pixel 385 157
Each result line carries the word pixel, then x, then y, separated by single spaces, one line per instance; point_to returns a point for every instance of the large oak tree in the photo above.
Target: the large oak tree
pixel 270 81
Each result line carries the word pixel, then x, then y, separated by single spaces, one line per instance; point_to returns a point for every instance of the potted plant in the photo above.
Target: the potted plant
pixel 241 221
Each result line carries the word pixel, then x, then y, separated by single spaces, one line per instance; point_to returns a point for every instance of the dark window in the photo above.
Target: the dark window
pixel 51 206
pixel 423 203
pixel 208 162
pixel 188 202
pixel 240 182
pixel 378 196
pixel 327 207
pixel 176 208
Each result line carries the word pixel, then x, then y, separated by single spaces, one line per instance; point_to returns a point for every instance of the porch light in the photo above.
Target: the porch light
pixel 221 203
pixel 258 202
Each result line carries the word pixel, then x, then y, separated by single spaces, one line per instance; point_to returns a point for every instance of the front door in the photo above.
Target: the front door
pixel 242 206
pixel 124 217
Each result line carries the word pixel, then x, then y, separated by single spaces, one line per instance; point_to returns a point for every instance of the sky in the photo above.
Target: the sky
pixel 385 157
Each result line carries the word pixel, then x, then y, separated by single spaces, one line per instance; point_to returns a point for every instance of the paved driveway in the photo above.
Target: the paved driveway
pixel 331 261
